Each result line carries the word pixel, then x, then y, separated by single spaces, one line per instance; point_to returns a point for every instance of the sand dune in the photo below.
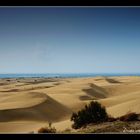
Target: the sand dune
pixel 44 110
pixel 26 104
pixel 96 91
pixel 21 100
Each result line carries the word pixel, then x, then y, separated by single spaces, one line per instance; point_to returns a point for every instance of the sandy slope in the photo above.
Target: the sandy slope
pixel 30 103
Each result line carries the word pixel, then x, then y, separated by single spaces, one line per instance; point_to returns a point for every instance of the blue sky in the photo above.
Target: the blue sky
pixel 69 40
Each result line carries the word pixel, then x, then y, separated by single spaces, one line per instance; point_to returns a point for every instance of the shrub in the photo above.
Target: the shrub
pixel 93 113
pixel 111 119
pixel 47 130
pixel 129 117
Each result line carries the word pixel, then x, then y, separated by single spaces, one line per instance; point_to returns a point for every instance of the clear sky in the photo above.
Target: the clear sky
pixel 69 40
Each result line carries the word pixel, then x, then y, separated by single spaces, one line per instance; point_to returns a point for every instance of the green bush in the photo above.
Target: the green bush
pixel 93 113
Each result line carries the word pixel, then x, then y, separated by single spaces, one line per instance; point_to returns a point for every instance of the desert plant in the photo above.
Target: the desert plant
pixel 47 130
pixel 111 119
pixel 92 113
pixel 129 117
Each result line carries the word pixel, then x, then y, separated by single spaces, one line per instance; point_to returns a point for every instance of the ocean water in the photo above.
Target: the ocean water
pixel 64 75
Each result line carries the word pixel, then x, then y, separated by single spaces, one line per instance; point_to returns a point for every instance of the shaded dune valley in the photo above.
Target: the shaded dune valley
pixel 27 104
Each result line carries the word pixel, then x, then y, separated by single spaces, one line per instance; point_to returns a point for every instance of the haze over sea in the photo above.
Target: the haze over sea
pixel 64 75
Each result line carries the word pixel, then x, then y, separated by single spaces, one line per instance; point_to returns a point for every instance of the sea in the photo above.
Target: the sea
pixel 64 75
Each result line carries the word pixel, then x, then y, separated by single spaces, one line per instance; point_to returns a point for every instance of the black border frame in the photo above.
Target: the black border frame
pixel 69 3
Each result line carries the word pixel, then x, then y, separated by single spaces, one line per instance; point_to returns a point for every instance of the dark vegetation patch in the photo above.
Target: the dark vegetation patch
pixel 129 117
pixel 92 113
pixel 107 127
pixel 95 113
pixel 47 130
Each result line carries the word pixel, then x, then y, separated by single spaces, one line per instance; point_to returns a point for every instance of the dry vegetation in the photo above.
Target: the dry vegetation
pixel 93 115
pixel 47 130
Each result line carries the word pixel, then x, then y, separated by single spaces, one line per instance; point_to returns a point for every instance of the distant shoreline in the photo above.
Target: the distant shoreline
pixel 69 75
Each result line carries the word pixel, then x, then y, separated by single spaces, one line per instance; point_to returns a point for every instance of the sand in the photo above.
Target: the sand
pixel 27 104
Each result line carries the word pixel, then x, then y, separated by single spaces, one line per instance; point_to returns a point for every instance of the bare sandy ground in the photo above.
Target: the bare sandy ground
pixel 26 104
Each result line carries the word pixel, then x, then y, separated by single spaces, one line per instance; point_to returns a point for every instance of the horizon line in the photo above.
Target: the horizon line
pixel 76 73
